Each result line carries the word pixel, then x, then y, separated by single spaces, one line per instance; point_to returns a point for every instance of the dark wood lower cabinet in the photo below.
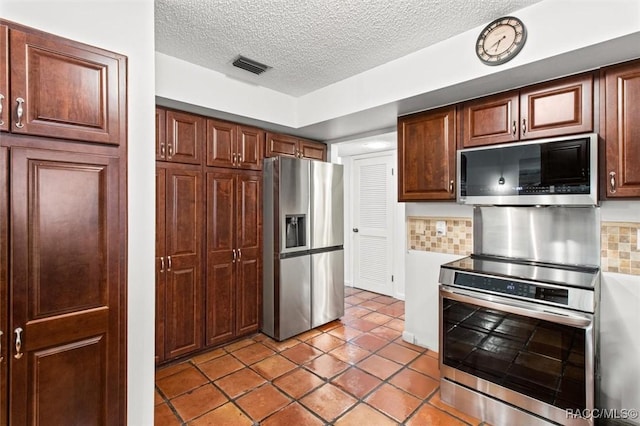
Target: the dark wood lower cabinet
pixel 179 227
pixel 65 354
pixel 234 274
pixel 4 285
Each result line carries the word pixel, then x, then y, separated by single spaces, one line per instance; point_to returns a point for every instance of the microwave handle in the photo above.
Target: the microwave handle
pixel 515 307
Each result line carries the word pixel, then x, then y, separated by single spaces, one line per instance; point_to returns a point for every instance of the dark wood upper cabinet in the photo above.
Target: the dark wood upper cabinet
pixel 312 150
pixel 426 155
pixel 64 89
pixel 233 146
pixel 5 116
pixel 161 134
pixel 620 125
pixel 185 137
pixel 65 287
pixel 179 266
pixel 491 120
pixel 291 146
pixel 559 107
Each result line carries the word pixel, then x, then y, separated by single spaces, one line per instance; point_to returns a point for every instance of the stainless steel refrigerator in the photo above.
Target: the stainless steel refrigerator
pixel 303 285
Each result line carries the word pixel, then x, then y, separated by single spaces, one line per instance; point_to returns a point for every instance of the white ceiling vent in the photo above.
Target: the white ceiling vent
pixel 250 65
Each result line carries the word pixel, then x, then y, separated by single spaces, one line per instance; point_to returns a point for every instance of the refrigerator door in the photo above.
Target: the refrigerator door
pixel 293 195
pixel 327 201
pixel 327 298
pixel 294 310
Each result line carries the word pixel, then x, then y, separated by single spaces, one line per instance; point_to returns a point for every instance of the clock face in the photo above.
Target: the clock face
pixel 501 40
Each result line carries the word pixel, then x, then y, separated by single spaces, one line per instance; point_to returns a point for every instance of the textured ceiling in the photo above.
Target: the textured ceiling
pixel 312 43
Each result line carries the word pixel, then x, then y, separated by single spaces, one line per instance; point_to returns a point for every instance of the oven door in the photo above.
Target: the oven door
pixel 535 357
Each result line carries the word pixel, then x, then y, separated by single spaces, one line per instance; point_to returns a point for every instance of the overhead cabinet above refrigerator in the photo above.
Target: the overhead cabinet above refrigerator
pixel 303 245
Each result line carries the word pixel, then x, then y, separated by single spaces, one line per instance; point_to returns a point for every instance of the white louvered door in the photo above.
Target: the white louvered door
pixel 373 200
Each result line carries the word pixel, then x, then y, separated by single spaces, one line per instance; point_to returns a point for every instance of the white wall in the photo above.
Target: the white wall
pixel 125 27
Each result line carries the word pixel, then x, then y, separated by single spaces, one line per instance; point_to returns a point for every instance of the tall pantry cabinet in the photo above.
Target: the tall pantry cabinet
pixel 179 228
pixel 62 230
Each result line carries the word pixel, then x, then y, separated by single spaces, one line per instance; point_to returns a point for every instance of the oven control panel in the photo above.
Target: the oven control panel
pixel 514 288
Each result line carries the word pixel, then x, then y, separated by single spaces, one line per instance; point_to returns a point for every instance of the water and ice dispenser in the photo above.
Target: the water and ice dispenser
pixel 295 230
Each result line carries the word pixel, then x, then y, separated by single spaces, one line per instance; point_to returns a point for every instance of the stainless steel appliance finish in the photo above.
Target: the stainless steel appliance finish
pixel 518 318
pixel 553 171
pixel 554 234
pixel 303 283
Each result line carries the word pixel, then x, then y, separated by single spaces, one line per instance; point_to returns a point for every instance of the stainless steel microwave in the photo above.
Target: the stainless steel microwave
pixel 552 171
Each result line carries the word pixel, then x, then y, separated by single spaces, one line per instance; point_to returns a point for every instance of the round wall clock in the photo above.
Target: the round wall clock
pixel 501 40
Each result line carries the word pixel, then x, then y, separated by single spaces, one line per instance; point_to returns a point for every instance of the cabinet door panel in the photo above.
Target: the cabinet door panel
pixel 161 134
pixel 281 145
pixel 221 262
pixel 622 130
pixel 490 120
pixel 4 285
pixel 65 285
pixel 160 261
pixel 185 137
pixel 557 108
pixel 5 115
pixel 249 232
pixel 69 90
pixel 184 241
pixel 221 142
pixel 426 155
pixel 250 147
pixel 313 150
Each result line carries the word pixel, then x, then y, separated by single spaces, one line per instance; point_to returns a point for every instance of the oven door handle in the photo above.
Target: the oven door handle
pixel 573 319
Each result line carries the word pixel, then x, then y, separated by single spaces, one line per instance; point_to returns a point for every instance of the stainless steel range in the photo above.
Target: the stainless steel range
pixel 519 317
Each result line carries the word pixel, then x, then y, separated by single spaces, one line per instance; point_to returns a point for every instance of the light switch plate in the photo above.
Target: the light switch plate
pixel 441 228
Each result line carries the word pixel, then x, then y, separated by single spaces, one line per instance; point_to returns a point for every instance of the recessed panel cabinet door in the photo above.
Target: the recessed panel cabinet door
pixel 249 231
pixel 183 290
pixel 426 155
pixel 621 129
pixel 66 90
pixel 221 257
pixel 160 260
pixel 4 78
pixel 65 289
pixel 5 336
pixel 250 148
pixel 185 135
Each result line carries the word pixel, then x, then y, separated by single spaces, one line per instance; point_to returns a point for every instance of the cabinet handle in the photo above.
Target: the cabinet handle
pixel 239 254
pixel 19 353
pixel 170 147
pixel 240 159
pixel 20 111
pixel 169 263
pixel 162 149
pixel 1 103
pixel 612 182
pixel 515 127
pixel 524 126
pixel 233 159
pixel 451 186
pixel 234 256
pixel 1 357
pixel 161 263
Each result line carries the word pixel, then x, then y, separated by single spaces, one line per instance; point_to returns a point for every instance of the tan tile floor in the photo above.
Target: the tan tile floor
pixel 352 372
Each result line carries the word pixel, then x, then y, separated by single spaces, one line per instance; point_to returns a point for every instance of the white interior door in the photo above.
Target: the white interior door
pixel 372 221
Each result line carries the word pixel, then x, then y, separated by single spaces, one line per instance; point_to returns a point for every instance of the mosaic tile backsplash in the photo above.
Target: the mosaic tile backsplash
pixel 423 235
pixel 619 247
pixel 619 244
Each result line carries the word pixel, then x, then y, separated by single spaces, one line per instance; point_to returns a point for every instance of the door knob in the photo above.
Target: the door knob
pixel 355 230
